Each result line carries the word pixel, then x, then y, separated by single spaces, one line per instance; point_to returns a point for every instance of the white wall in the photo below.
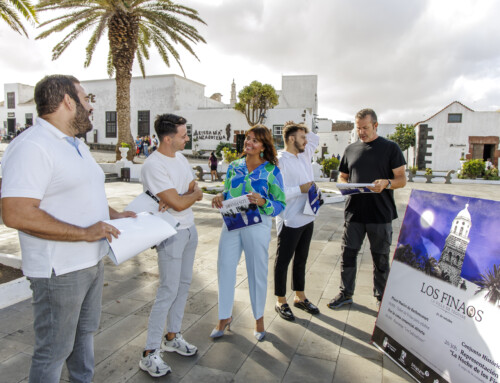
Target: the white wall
pixel 452 139
pixel 158 94
pixel 23 104
pixel 299 92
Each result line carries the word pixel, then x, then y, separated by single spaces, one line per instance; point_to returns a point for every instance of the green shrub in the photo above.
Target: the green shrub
pixel 125 145
pixel 413 169
pixel 220 146
pixel 230 155
pixel 330 164
pixel 472 169
pixel 428 172
pixel 491 174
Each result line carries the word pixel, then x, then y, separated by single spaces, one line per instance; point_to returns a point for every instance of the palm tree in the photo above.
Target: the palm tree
pixel 490 281
pixel 9 13
pixel 132 26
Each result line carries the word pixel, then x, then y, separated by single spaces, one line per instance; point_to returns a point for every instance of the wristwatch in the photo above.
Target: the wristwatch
pixel 389 184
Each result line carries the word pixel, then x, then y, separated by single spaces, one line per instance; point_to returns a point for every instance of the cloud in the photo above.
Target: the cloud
pixel 406 59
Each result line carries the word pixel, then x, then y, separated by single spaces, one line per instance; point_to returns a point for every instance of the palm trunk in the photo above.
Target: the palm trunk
pixel 123 29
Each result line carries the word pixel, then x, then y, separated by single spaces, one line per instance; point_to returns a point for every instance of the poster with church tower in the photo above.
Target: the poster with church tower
pixel 441 304
pixel 453 254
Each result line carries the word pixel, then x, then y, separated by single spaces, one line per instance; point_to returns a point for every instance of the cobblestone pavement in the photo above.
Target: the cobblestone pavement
pixel 331 347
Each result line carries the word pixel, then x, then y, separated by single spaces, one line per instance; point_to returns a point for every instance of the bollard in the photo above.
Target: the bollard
pixel 125 174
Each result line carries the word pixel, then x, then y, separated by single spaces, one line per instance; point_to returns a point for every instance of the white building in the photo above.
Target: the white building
pixel 18 109
pixel 457 131
pixel 209 120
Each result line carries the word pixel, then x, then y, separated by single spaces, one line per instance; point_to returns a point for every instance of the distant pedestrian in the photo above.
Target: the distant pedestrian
pixel 212 162
pixel 154 143
pixel 145 145
pixel 138 144
pixel 488 164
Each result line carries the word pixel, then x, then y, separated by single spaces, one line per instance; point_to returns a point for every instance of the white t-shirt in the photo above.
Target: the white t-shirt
pixel 41 164
pixel 160 173
pixel 296 171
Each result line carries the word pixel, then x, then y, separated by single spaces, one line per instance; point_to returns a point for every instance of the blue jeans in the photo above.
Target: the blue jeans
pixel 67 311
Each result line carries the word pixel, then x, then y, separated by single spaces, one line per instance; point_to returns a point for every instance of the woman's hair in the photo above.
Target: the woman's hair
pixel 263 135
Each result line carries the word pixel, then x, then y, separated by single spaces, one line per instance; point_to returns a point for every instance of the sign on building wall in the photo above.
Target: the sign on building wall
pixel 440 314
pixel 217 134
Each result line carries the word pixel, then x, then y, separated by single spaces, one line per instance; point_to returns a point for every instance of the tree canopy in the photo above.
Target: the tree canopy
pixel 404 136
pixel 255 100
pixel 133 27
pixel 10 10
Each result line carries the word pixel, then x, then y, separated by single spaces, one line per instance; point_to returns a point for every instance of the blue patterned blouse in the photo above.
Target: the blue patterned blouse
pixel 265 180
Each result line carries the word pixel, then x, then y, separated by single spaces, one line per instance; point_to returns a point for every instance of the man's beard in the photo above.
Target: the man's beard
pixel 299 149
pixel 81 122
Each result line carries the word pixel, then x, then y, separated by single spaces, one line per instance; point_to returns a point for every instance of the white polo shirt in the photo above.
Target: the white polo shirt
pixel 296 171
pixel 160 173
pixel 41 164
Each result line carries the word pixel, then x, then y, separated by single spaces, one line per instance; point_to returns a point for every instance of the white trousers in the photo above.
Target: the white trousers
pixel 254 241
pixel 175 265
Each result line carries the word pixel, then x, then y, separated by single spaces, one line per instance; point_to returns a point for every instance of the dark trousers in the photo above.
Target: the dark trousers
pixel 292 242
pixel 380 238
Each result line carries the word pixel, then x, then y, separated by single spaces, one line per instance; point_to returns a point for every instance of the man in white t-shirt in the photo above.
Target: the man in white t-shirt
pixel 295 229
pixel 53 193
pixel 167 174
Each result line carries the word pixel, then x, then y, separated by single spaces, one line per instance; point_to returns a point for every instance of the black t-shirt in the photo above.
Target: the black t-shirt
pixel 365 163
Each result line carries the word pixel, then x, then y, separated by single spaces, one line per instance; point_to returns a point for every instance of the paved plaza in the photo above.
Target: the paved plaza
pixel 331 347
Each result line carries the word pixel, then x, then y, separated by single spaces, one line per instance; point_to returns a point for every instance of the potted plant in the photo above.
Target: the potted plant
pixel 330 166
pixel 124 148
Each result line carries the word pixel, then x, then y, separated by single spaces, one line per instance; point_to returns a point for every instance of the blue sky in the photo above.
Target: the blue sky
pixel 484 247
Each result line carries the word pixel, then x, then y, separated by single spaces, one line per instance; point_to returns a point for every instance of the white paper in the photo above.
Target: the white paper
pixel 332 196
pixel 137 234
pixel 144 202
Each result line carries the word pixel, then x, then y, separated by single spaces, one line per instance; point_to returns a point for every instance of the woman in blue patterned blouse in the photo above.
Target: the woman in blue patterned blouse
pixel 256 175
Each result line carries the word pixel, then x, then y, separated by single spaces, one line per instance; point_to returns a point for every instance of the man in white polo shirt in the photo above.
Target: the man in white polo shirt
pixel 166 173
pixel 295 229
pixel 53 193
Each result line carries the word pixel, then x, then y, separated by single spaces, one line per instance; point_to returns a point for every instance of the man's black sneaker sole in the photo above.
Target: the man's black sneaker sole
pixel 339 305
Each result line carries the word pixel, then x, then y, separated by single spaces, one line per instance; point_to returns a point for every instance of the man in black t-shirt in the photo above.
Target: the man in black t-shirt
pixel 372 159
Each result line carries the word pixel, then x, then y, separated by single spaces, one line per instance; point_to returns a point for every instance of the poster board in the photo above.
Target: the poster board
pixel 439 318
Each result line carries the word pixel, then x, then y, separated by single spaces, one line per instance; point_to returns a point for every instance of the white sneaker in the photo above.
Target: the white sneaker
pixel 154 364
pixel 178 345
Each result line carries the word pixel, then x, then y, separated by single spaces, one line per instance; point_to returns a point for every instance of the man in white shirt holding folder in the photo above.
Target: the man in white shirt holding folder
pixel 167 174
pixel 53 193
pixel 294 228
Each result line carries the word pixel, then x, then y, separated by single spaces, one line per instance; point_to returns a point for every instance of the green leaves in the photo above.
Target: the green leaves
pixel 404 136
pixel 9 10
pixel 255 100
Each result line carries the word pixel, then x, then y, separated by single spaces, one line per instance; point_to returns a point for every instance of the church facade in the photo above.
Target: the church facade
pixel 453 254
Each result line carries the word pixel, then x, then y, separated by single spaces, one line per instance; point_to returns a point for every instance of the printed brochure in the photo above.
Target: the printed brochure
pixel 239 213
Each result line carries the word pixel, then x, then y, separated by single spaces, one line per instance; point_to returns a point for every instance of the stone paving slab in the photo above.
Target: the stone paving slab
pixel 330 347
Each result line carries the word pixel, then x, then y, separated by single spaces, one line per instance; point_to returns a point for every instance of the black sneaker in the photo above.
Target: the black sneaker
pixel 339 301
pixel 284 311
